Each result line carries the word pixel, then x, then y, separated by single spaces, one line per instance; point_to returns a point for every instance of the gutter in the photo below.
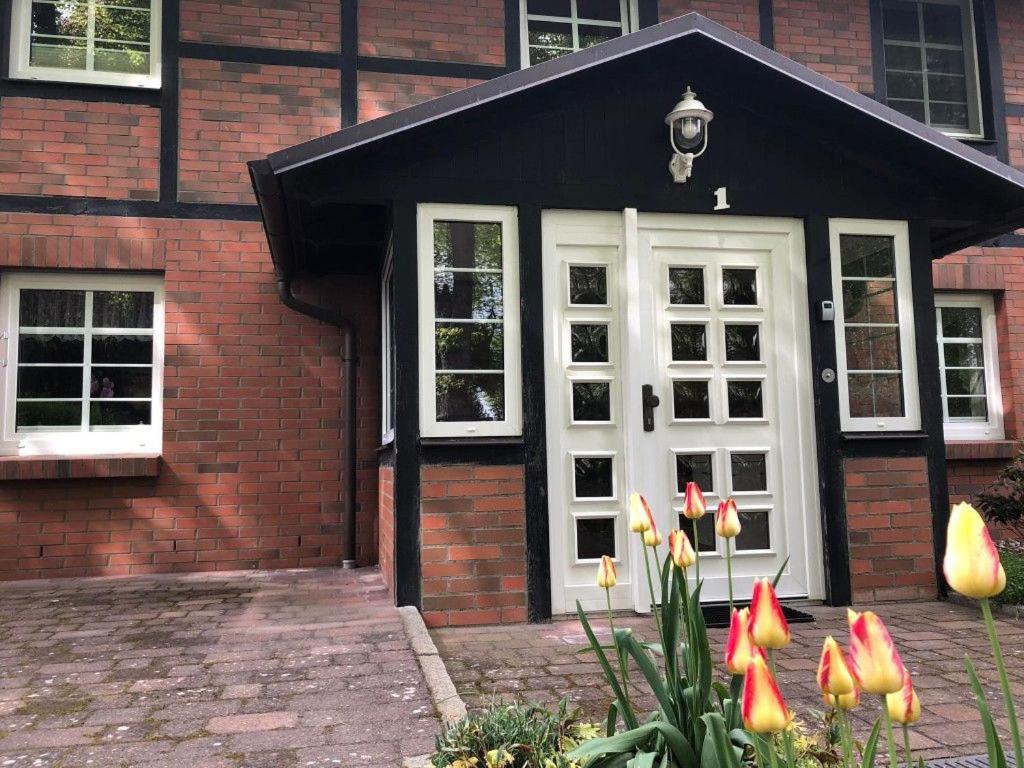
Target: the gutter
pixel 275 222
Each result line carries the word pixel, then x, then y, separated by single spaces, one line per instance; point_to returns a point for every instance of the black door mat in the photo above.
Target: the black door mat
pixel 717 616
pixel 974 761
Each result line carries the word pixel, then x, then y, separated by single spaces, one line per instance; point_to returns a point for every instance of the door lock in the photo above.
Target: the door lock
pixel 650 402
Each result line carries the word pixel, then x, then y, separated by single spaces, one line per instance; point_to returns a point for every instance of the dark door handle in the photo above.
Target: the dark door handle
pixel 650 401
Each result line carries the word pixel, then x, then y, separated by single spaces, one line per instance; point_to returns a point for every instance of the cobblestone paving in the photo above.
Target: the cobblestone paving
pixel 278 669
pixel 542 662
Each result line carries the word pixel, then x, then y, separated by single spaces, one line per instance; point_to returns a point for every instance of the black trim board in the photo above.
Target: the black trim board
pixel 245 54
pixel 513 53
pixel 427 68
pixel 171 209
pixel 881 88
pixel 42 89
pixel 169 96
pixel 766 22
pixel 990 77
pixel 348 62
pixel 647 12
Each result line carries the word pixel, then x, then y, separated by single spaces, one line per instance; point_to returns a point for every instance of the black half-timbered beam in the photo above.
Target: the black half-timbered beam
pixel 348 63
pixel 766 22
pixel 170 24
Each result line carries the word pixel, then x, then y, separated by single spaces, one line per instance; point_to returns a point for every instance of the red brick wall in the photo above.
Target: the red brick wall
pixel 252 466
pixel 386 525
pixel 307 25
pixel 739 15
pixel 440 30
pixel 888 512
pixel 90 149
pixel 1010 16
pixel 830 37
pixel 231 113
pixel 383 93
pixel 473 532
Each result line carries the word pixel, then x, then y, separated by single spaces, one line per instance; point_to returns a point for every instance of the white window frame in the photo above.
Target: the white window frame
pixel 21 28
pixel 972 79
pixel 899 232
pixel 118 441
pixel 387 372
pixel 630 16
pixel 507 217
pixel 973 429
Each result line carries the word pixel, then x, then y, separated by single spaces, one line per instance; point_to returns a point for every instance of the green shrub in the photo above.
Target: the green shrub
pixel 1002 502
pixel 1013 564
pixel 512 736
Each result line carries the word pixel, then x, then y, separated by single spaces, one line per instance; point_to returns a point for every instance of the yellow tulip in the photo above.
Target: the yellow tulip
pixel 680 549
pixel 845 702
pixel 834 677
pixel 874 660
pixel 606 576
pixel 694 506
pixel 904 706
pixel 768 626
pixel 640 517
pixel 652 536
pixel 971 563
pixel 763 708
pixel 739 648
pixel 727 520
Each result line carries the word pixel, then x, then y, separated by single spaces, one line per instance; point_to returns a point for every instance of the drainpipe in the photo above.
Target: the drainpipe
pixel 350 363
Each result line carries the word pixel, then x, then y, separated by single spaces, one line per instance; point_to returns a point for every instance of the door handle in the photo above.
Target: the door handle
pixel 650 402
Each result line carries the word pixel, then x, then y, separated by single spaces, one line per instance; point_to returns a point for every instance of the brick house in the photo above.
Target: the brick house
pixel 198 377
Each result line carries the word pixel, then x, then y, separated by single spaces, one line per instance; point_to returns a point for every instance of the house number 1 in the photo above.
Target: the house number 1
pixel 721 199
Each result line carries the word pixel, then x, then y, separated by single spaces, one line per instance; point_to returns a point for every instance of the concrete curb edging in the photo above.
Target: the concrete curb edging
pixel 1006 611
pixel 449 705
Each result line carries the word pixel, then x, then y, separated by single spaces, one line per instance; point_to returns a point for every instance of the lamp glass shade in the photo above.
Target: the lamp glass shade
pixel 688 132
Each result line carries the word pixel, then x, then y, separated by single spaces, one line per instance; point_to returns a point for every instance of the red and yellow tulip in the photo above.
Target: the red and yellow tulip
pixel 727 519
pixel 606 575
pixel 694 506
pixel 768 626
pixel 876 664
pixel 903 705
pixel 680 549
pixel 834 676
pixel 739 648
pixel 763 708
pixel 652 536
pixel 971 563
pixel 845 702
pixel 640 518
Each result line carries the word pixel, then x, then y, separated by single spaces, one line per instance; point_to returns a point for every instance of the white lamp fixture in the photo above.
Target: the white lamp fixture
pixel 688 134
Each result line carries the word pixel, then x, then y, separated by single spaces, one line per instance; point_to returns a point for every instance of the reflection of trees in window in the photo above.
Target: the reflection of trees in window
pixel 119 40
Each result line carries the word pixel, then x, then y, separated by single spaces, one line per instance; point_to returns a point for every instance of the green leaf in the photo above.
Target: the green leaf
pixel 613 715
pixel 996 756
pixel 629 741
pixel 728 755
pixel 871 746
pixel 628 716
pixel 645 760
pixel 778 574
pixel 653 676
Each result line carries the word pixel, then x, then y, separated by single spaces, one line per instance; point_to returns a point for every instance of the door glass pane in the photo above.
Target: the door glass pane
pixel 686 285
pixel 867 255
pixel 51 309
pixel 591 401
pixel 52 415
pixel 468 295
pixel 749 472
pixel 875 394
pixel 593 477
pixel 50 348
pixel 690 400
pixel 689 342
pixel 694 468
pixel 589 342
pixel 745 400
pixel 472 346
pixel 961 322
pixel 588 285
pixel 873 348
pixel 595 537
pixel 755 533
pixel 122 309
pixel 705 527
pixel 741 343
pixel 739 286
pixel 470 396
pixel 869 301
pixel 467 245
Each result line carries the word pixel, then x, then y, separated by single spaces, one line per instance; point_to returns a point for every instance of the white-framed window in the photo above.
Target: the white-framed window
pixel 972 403
pixel 84 363
pixel 387 348
pixel 874 325
pixel 100 42
pixel 553 28
pixel 931 63
pixel 468 275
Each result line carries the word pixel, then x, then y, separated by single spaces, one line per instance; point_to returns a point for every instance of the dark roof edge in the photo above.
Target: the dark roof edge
pixel 270 199
pixel 692 23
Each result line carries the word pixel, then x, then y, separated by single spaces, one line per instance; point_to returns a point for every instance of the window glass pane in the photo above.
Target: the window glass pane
pixel 57 53
pixel 589 342
pixel 588 285
pixel 115 414
pixel 65 19
pixel 741 342
pixel 51 309
pixel 949 115
pixel 869 301
pixel 468 295
pixel 900 21
pixel 873 348
pixel 595 537
pixel 121 23
pixel 944 60
pixel 122 309
pixel 686 285
pixel 947 88
pixel 965 382
pixel 550 34
pixel 54 415
pixel 591 401
pixel 120 382
pixel 593 477
pixel 739 286
pixel 961 322
pixel 867 255
pixel 689 342
pixel 942 23
pixel 749 472
pixel 122 349
pixel 130 58
pixel 964 355
pixel 904 85
pixel 538 55
pixel 549 7
pixel 974 408
pixel 905 57
pixel 469 346
pixel 690 400
pixel 50 348
pixel 875 394
pixel 745 400
pixel 914 109
pixel 705 527
pixel 590 35
pixel 44 381
pixel 470 396
pixel 467 245
pixel 754 533
pixel 605 10
pixel 694 468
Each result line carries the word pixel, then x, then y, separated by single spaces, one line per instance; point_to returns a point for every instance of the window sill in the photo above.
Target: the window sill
pixel 77 467
pixel 881 435
pixel 451 442
pixel 975 450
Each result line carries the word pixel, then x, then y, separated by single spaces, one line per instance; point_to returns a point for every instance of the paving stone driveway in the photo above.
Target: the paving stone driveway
pixel 276 669
pixel 541 662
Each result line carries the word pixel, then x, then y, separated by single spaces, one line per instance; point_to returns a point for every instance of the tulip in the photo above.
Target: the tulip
pixel 606 576
pixel 694 506
pixel 876 664
pixel 904 706
pixel 971 563
pixel 768 627
pixel 727 520
pixel 763 709
pixel 652 536
pixel 679 547
pixel 834 676
pixel 640 518
pixel 739 648
pixel 844 702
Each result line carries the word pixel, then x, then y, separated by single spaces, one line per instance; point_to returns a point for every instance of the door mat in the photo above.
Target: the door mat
pixel 974 761
pixel 717 616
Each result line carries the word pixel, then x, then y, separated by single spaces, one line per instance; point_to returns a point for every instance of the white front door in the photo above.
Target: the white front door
pixel 711 313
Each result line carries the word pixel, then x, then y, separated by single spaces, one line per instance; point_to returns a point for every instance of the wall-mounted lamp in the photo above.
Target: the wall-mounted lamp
pixel 688 134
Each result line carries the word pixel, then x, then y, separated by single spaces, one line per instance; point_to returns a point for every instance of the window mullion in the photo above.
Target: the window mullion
pixel 87 361
pixel 575 24
pixel 90 37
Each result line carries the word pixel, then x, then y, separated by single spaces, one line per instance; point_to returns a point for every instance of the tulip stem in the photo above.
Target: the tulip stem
pixel 728 570
pixel 654 603
pixel 845 734
pixel 787 739
pixel 773 759
pixel 906 745
pixel 890 734
pixel 696 550
pixel 997 652
pixel 618 651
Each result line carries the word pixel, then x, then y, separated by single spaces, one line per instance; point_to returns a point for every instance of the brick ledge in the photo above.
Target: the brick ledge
pixel 77 467
pixel 975 450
